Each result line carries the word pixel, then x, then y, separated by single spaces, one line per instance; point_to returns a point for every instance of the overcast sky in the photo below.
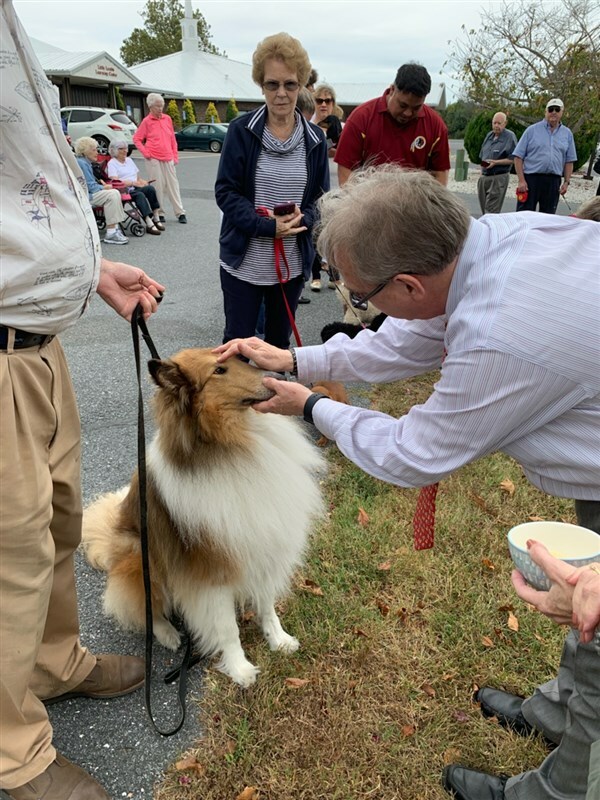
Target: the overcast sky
pixel 348 41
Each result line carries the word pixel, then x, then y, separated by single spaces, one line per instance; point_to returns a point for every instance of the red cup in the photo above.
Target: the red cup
pixel 522 195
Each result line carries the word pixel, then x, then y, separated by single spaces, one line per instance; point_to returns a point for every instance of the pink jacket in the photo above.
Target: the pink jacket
pixel 155 138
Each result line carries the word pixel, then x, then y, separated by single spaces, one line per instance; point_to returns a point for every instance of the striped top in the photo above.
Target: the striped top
pixel 522 371
pixel 280 178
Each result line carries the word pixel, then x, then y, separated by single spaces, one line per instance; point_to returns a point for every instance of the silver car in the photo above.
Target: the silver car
pixel 102 124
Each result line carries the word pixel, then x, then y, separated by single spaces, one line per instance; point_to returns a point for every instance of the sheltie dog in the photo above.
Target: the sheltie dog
pixel 231 496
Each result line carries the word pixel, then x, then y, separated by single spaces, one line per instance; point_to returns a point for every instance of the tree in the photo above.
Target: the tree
pixel 188 112
pixel 456 116
pixel 528 52
pixel 120 101
pixel 232 110
pixel 173 111
pixel 212 115
pixel 161 34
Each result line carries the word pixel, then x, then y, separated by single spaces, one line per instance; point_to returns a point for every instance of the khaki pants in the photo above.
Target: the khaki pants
pixel 40 527
pixel 491 191
pixel 110 200
pixel 163 172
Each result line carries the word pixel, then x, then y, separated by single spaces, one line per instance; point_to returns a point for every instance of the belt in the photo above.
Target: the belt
pixel 23 339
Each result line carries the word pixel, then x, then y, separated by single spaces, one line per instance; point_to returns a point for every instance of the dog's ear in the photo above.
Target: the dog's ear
pixel 168 376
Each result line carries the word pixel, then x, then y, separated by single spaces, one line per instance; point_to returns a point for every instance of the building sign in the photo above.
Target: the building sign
pixel 105 71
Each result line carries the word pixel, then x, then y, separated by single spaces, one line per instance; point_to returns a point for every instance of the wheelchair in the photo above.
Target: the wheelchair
pixel 134 222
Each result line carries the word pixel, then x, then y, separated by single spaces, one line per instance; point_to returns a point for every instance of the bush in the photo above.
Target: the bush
pixel 188 112
pixel 173 111
pixel 232 110
pixel 212 115
pixel 478 128
pixel 120 101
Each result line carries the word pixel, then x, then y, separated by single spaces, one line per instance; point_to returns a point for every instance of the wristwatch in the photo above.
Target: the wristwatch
pixel 312 399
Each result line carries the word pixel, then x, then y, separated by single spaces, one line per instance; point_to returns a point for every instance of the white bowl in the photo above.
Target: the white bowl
pixel 571 543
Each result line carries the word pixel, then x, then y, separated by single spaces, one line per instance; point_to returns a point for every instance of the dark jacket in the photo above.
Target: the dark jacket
pixel 235 188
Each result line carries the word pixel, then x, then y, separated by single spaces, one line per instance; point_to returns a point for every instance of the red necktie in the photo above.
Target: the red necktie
pixel 424 518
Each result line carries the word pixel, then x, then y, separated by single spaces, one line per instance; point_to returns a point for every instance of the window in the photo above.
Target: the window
pixel 81 115
pixel 121 118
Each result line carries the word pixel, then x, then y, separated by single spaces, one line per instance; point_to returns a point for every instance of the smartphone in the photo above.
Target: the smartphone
pixel 485 164
pixel 282 209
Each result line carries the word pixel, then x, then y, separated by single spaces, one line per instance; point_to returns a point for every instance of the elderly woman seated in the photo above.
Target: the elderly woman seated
pixel 122 168
pixel 101 193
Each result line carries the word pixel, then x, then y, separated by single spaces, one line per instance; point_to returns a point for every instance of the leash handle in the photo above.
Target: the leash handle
pixel 138 322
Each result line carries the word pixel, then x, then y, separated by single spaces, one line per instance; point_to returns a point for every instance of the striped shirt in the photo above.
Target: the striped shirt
pixel 280 178
pixel 522 371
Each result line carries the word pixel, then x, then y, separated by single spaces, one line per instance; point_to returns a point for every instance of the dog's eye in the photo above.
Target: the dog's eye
pixel 220 371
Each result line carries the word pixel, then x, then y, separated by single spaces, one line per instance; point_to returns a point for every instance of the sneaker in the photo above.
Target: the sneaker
pixel 315 286
pixel 162 218
pixel 183 219
pixel 115 237
pixel 304 300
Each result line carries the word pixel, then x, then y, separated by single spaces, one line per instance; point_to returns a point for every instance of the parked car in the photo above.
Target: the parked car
pixel 102 124
pixel 202 136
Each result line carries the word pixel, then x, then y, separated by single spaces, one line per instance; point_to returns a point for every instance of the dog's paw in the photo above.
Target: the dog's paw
pixel 285 643
pixel 241 672
pixel 166 634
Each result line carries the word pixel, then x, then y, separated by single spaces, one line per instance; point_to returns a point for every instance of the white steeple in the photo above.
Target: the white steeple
pixel 189 30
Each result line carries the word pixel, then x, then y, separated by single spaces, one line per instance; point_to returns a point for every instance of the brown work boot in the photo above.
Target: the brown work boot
pixel 112 676
pixel 60 781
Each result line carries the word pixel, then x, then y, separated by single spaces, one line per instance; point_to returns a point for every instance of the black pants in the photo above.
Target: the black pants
pixel 145 199
pixel 543 190
pixel 242 302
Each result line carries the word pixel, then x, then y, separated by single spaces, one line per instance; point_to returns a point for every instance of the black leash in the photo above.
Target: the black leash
pixel 138 322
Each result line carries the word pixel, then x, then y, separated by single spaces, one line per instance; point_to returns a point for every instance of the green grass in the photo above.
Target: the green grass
pixel 391 655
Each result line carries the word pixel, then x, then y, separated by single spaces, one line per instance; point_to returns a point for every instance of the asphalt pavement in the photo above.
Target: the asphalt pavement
pixel 114 740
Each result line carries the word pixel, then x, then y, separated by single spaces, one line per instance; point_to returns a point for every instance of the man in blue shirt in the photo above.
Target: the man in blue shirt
pixel 496 160
pixel 545 154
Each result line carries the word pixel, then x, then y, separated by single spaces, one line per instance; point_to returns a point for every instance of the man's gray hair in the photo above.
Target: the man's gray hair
pixel 154 99
pixel 386 220
pixel 116 145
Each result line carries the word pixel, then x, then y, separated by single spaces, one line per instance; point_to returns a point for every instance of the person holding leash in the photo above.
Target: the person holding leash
pixel 51 267
pixel 509 303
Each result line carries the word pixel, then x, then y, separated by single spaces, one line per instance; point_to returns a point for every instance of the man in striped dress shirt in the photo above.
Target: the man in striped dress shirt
pixel 511 304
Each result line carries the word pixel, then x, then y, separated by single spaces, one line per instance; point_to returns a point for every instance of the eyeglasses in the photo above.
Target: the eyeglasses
pixel 288 86
pixel 554 108
pixel 361 303
pixel 320 100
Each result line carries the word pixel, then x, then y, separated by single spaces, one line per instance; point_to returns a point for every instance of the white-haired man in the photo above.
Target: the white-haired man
pixel 496 160
pixel 510 304
pixel 155 139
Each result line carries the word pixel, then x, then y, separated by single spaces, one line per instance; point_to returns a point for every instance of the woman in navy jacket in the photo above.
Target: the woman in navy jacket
pixel 271 156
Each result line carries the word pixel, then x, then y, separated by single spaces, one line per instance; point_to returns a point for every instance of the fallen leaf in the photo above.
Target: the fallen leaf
pixel 363 517
pixel 507 607
pixel 249 793
pixel 408 730
pixel 488 564
pixel 507 486
pixel 537 519
pixel 384 609
pixel 385 566
pixel 478 500
pixel 460 716
pixel 428 689
pixel 451 756
pixel 513 622
pixel 248 616
pixel 189 762
pixel 486 641
pixel 310 586
pixel 296 683
pixel 448 676
pixel 360 632
pixel 540 638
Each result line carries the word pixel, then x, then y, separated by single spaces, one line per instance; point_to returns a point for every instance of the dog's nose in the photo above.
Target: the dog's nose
pixel 279 376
